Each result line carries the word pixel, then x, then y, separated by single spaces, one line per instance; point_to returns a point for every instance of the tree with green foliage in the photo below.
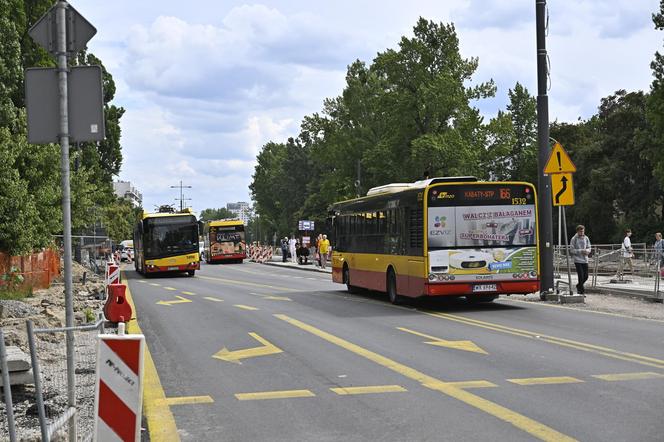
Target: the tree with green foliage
pixel 31 191
pixel 407 113
pixel 655 105
pixel 212 214
pixel 119 219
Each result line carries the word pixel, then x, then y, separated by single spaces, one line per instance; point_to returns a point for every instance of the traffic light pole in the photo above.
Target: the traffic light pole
pixel 544 181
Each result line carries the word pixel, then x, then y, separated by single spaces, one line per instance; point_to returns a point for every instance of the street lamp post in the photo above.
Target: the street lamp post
pixel 181 194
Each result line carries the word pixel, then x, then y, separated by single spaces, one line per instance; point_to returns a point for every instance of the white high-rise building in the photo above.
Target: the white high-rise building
pixel 241 209
pixel 124 189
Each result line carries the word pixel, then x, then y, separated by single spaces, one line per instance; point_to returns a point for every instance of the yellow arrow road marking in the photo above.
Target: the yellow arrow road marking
pixel 236 356
pixel 189 293
pixel 604 351
pixel 180 300
pixel 277 298
pixel 213 299
pixel 628 376
pixel 245 307
pixel 524 423
pixel 458 345
pixel 187 400
pixel 343 391
pixel 546 381
pixel 286 394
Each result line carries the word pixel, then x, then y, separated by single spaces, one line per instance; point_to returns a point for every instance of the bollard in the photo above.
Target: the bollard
pixel 116 308
pixel 119 387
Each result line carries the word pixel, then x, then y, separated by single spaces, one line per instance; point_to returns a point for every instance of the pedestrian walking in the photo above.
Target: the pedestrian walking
pixel 292 247
pixel 323 250
pixel 284 249
pixel 659 250
pixel 318 240
pixel 626 254
pixel 580 250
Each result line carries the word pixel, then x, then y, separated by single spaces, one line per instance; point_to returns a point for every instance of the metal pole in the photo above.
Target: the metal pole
pixel 36 373
pixel 61 25
pixel 569 270
pixel 6 386
pixel 544 181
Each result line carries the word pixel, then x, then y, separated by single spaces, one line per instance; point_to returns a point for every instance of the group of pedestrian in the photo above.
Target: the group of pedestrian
pixel 298 252
pixel 581 250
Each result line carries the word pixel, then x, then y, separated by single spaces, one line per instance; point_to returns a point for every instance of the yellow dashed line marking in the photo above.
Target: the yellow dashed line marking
pixel 368 390
pixel 245 307
pixel 170 288
pixel 155 284
pixel 520 421
pixel 472 384
pixel 187 400
pixel 628 376
pixel 277 298
pixel 285 394
pixel 210 298
pixel 189 293
pixel 546 381
pixel 142 282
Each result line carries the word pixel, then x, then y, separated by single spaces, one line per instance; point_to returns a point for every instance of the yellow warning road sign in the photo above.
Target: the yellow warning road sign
pixel 562 189
pixel 559 161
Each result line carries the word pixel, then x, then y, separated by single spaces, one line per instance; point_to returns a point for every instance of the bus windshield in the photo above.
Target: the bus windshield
pixel 169 236
pixel 481 216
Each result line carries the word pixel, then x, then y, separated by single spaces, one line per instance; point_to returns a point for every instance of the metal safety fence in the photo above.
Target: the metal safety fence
pixel 609 267
pixel 47 414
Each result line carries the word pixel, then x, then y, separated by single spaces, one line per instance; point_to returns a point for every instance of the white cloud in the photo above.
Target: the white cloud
pixel 207 85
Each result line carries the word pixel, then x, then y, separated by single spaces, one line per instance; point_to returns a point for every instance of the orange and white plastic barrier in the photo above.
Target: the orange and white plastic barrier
pixel 119 387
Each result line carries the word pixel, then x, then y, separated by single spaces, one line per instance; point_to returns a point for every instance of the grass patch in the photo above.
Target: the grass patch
pixel 15 294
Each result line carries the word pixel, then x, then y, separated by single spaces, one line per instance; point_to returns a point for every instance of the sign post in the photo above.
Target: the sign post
pixel 62 31
pixel 560 167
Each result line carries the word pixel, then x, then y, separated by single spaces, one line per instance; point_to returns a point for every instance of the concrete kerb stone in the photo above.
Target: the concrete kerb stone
pixel 308 268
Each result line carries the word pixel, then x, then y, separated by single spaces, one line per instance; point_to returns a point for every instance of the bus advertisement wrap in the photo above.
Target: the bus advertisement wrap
pixel 492 264
pixel 481 226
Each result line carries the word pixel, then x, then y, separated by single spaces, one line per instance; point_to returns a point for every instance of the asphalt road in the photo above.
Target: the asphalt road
pixel 249 352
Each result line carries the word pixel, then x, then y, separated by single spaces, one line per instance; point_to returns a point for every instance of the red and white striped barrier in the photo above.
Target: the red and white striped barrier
pixel 119 388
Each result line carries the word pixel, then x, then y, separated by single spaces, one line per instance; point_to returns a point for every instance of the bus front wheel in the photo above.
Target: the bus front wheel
pixel 392 288
pixel 351 288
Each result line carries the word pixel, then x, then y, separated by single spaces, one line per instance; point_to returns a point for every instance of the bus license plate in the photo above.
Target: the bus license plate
pixel 174 268
pixel 485 288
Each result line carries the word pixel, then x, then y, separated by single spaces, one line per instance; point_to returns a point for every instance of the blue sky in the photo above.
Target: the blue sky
pixel 206 83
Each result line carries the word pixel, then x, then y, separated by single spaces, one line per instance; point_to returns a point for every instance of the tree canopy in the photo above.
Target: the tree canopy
pixel 30 193
pixel 412 112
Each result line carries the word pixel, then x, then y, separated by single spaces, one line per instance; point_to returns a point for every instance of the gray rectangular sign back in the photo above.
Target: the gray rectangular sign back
pixel 86 105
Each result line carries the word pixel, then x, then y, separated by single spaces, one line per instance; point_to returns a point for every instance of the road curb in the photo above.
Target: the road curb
pixel 299 267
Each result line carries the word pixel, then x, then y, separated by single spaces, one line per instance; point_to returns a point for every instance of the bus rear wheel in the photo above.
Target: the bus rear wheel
pixel 351 288
pixel 392 288
pixel 191 272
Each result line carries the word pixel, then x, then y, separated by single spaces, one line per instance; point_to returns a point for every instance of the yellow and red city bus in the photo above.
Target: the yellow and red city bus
pixel 224 240
pixel 166 242
pixel 439 237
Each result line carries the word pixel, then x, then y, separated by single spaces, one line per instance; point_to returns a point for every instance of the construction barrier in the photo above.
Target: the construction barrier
pixel 116 308
pixel 259 254
pixel 119 387
pixel 37 270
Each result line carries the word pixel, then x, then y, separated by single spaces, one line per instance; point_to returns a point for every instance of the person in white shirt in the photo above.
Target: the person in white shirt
pixel 292 245
pixel 626 254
